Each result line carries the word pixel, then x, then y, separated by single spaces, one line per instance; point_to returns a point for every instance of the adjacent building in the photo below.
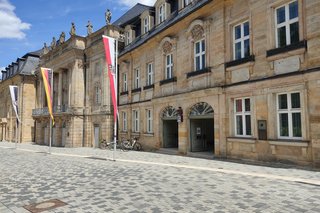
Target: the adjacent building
pixel 81 98
pixel 21 74
pixel 238 78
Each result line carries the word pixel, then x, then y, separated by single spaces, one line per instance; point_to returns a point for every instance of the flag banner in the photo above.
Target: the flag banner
pixel 47 74
pixel 109 47
pixel 14 97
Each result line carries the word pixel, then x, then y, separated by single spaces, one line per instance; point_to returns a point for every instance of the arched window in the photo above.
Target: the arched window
pixel 169 113
pixel 201 109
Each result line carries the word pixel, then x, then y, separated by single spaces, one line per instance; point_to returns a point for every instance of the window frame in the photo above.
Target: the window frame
pixel 150 74
pixel 124 122
pixel 162 13
pixel 169 66
pixel 136 78
pixel 128 39
pixel 289 111
pixel 146 27
pixel 286 23
pixel 243 115
pixel 149 120
pixel 200 54
pixel 242 39
pixel 125 82
pixel 135 120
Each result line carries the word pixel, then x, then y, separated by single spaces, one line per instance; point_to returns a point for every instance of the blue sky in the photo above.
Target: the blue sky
pixel 26 24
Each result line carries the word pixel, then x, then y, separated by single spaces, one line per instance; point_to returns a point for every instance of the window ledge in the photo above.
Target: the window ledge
pixel 198 72
pixel 169 80
pixel 298 143
pixel 136 90
pixel 148 134
pixel 289 50
pixel 241 61
pixel 241 140
pixel 148 87
pixel 124 93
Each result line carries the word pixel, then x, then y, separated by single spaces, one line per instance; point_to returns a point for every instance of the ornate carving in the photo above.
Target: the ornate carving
pixel 89 28
pixel 169 112
pixel 80 64
pixel 108 15
pixel 45 49
pixel 167 47
pixel 53 43
pixel 72 30
pixel 201 108
pixel 197 32
pixel 62 38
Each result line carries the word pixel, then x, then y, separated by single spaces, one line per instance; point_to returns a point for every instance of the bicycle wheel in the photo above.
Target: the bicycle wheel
pixel 103 145
pixel 125 145
pixel 110 146
pixel 137 146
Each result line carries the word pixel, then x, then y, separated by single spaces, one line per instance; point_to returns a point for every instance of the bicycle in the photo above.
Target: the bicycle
pixel 108 145
pixel 132 144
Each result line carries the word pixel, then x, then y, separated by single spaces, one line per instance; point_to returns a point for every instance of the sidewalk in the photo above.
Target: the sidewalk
pixel 286 174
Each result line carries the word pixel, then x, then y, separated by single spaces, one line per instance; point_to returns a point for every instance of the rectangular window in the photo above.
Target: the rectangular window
pixel 146 24
pixel 136 79
pixel 135 120
pixel 241 41
pixel 161 13
pixel 149 74
pixel 289 115
pixel 128 38
pixel 242 113
pixel 287 24
pixel 169 66
pixel 125 83
pixel 149 121
pixel 199 55
pixel 124 121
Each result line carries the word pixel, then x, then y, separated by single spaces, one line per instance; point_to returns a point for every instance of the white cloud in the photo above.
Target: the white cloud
pixel 131 3
pixel 11 26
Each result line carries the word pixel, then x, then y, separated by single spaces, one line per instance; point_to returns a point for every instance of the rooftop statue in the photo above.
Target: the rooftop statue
pixel 108 15
pixel 72 30
pixel 45 49
pixel 53 43
pixel 62 38
pixel 89 28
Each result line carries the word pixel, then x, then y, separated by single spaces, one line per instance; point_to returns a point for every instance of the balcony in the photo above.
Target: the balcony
pixel 105 109
pixel 61 109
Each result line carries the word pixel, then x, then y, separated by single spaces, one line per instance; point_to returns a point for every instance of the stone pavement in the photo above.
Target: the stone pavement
pixel 148 182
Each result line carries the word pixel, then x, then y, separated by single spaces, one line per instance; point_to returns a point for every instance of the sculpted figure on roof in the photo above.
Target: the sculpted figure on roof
pixel 72 30
pixel 108 15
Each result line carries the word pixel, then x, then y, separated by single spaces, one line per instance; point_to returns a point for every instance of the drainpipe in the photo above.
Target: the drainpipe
pixel 85 99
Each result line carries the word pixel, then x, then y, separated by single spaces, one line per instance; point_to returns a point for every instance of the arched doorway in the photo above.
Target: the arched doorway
pixel 170 127
pixel 201 128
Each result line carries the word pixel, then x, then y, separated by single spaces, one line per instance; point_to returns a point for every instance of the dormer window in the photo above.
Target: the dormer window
pixel 161 13
pixel 146 24
pixel 187 2
pixel 127 35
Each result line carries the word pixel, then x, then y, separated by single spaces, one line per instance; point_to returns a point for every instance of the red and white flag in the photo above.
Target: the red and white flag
pixel 110 50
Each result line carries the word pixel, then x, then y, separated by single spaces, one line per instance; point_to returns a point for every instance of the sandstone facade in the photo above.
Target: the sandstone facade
pixel 262 105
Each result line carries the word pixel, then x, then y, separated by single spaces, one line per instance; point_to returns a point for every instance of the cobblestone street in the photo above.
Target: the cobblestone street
pixel 148 182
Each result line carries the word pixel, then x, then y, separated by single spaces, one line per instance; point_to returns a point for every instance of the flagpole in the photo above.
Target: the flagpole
pixel 51 87
pixel 116 89
pixel 17 124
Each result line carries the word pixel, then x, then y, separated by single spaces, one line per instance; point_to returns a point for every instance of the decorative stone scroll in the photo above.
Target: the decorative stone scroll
pixel 197 32
pixel 167 47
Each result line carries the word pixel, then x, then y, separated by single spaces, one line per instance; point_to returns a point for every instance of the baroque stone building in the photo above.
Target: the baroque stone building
pixel 236 78
pixel 21 74
pixel 81 100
